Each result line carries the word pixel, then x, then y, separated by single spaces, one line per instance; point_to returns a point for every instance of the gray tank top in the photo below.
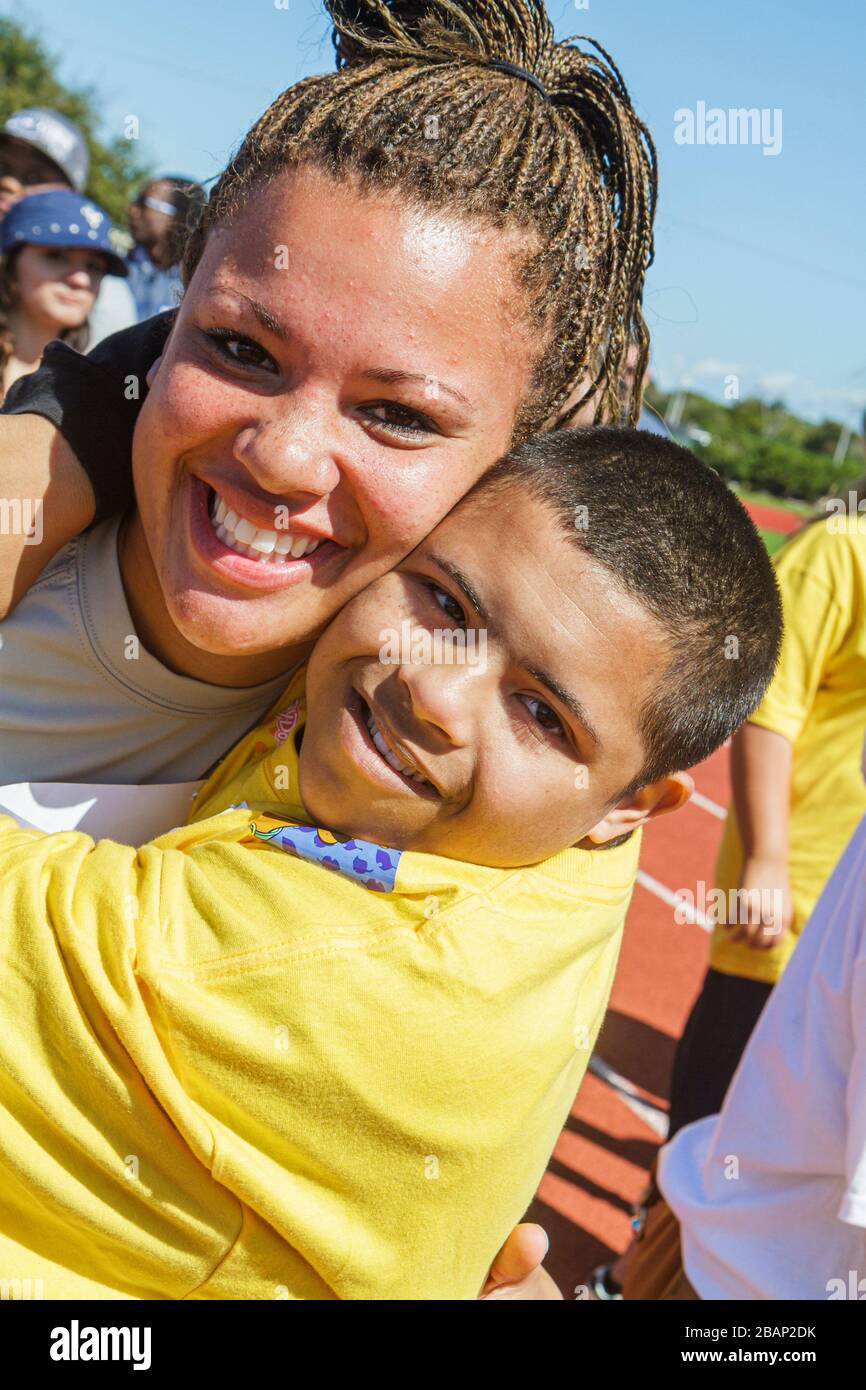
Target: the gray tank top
pixel 82 701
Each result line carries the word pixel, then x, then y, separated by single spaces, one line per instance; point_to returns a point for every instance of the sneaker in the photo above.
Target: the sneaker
pixel 603 1286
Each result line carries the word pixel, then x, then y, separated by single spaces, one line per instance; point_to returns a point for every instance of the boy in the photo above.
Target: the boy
pixel 256 1079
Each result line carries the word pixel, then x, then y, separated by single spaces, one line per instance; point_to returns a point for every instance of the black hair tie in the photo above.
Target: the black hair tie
pixel 515 71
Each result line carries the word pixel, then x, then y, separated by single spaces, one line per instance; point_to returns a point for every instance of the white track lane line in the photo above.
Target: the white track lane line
pixel 692 914
pixel 698 799
pixel 652 1115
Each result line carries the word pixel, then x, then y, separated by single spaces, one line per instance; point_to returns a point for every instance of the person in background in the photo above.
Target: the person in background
pixel 54 251
pixel 767 1200
pixel 40 152
pixel 40 149
pixel 797 798
pixel 798 795
pixel 159 219
pixel 648 420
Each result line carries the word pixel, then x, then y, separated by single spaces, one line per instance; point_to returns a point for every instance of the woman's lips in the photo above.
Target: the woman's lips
pixel 240 569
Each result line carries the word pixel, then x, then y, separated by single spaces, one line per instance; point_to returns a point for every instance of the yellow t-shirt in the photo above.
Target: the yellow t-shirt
pixel 228 1073
pixel 817 700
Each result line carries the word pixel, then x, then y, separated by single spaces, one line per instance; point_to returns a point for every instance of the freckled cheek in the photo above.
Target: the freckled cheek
pixel 402 507
pixel 191 407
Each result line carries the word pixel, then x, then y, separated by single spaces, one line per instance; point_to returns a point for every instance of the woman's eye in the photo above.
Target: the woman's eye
pixel 543 715
pixel 246 352
pixel 399 419
pixel 450 607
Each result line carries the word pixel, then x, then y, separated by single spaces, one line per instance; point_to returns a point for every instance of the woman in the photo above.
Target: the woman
pixel 521 206
pixel 54 251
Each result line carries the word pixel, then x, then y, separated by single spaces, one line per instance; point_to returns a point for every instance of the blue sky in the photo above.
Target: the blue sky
pixel 759 268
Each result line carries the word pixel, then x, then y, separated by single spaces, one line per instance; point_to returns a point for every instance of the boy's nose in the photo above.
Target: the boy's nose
pixel 451 697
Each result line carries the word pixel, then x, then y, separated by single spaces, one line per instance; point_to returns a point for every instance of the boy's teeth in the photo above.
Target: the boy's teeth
pixel 242 536
pixel 390 758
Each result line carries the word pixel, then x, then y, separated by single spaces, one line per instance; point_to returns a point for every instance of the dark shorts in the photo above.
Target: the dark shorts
pixel 713 1041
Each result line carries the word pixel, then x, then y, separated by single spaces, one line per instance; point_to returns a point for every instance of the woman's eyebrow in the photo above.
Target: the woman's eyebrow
pixel 393 376
pixel 265 317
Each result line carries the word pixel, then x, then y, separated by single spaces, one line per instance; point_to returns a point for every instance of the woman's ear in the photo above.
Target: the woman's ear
pixel 152 371
pixel 656 799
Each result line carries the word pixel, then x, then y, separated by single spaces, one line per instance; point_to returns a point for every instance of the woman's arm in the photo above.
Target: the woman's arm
pixel 66 447
pixel 45 499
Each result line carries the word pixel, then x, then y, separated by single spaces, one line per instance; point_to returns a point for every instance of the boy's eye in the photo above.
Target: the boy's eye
pixel 246 352
pixel 449 605
pixel 399 419
pixel 543 715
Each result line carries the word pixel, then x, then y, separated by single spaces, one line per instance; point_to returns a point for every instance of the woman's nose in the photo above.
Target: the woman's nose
pixel 289 454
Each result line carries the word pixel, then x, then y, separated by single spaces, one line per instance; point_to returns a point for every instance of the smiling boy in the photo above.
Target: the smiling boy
pixel 258 1079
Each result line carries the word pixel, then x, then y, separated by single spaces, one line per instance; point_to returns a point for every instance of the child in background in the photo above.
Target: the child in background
pixel 54 251
pixel 233 1074
pixel 798 795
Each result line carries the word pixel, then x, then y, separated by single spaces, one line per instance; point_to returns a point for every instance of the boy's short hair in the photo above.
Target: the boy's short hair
pixel 678 540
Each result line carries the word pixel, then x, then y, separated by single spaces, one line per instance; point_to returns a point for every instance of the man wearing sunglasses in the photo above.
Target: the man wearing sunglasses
pixel 158 218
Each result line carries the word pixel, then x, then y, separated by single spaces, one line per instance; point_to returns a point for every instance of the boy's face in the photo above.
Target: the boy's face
pixel 525 737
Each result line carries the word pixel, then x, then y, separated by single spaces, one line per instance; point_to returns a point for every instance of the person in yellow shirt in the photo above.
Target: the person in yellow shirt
pixel 320 1042
pixel 798 794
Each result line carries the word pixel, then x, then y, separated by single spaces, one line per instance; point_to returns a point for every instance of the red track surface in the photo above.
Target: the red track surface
pixel 773 518
pixel 601 1160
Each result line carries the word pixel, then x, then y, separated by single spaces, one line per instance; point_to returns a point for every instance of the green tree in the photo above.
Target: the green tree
pixel 28 78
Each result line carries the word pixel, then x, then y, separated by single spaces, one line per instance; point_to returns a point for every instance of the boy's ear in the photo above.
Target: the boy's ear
pixel 656 799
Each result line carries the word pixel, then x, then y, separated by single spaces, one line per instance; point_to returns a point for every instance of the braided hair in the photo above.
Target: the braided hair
pixel 416 106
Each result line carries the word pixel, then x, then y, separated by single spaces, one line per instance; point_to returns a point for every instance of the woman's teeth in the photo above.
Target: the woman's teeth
pixel 240 535
pixel 391 758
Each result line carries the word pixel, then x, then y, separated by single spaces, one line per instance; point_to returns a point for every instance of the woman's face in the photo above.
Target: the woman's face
pixel 57 285
pixel 341 370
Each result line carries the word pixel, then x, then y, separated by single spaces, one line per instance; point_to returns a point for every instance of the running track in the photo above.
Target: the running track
pixel 601 1160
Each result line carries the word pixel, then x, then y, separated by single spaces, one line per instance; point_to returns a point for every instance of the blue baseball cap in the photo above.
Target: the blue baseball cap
pixel 61 218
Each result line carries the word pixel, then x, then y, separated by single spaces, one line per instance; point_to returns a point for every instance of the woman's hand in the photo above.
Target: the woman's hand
pixel 517 1271
pixel 45 500
pixel 763 905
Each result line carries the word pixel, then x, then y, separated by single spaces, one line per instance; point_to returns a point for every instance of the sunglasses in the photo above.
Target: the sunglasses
pixel 156 204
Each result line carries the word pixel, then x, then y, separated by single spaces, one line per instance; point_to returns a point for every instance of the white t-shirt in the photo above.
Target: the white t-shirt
pixel 81 700
pixel 114 309
pixel 771 1193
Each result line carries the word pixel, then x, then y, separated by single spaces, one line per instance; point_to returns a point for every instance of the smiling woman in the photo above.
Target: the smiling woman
pixel 408 264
